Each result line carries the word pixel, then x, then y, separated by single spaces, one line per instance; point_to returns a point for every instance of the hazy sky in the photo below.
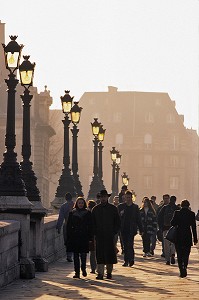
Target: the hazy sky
pixel 135 45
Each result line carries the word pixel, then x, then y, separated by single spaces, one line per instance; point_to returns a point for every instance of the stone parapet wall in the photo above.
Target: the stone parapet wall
pixel 53 243
pixel 53 247
pixel 9 251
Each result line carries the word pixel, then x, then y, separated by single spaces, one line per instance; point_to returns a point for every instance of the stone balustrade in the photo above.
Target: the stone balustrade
pixel 53 247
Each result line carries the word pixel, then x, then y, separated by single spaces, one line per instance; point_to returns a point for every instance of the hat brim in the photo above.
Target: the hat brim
pixel 105 195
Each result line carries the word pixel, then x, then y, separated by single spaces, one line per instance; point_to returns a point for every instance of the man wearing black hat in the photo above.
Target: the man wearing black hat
pixel 106 224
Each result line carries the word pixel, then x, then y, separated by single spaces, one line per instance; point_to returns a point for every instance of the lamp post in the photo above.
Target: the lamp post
pixel 117 169
pixel 13 198
pixel 95 183
pixel 66 181
pixel 26 70
pixel 75 118
pixel 125 179
pixel 11 182
pixel 100 136
pixel 113 158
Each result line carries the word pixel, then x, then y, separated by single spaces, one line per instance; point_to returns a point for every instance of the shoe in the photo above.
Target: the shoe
pixel 92 272
pixel 173 259
pixel 109 276
pixel 125 265
pixel 152 252
pixel 84 273
pixel 148 254
pixel 99 277
pixel 131 263
pixel 144 255
pixel 168 263
pixel 69 259
pixel 76 276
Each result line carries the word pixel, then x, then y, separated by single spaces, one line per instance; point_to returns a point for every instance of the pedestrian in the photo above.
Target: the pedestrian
pixel 64 211
pixel 130 223
pixel 165 200
pixel 122 193
pixel 185 221
pixel 153 237
pixel 79 232
pixel 149 224
pixel 93 262
pixel 164 221
pixel 106 224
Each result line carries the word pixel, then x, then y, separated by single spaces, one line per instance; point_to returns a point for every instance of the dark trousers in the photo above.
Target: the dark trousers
pixel 146 242
pixel 128 244
pixel 77 258
pixel 183 256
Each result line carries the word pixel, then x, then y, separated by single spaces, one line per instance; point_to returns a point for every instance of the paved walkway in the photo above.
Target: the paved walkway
pixel 148 279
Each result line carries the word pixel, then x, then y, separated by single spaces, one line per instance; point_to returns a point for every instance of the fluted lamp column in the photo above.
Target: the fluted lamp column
pixel 66 181
pixel 14 205
pixel 95 183
pixel 117 169
pixel 75 118
pixel 11 182
pixel 101 135
pixel 113 153
pixel 26 71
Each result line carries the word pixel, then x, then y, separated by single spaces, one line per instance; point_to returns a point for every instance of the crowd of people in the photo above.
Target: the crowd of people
pixel 96 226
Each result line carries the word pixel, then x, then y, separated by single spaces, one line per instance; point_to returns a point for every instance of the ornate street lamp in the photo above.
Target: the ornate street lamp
pixel 75 118
pixel 100 137
pixel 125 179
pixel 117 169
pixel 26 71
pixel 95 183
pixel 66 181
pixel 11 182
pixel 113 153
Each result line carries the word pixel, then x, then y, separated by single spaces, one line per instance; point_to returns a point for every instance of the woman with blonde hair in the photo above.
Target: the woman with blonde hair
pixel 149 224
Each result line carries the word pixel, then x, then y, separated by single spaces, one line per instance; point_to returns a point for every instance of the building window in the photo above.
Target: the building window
pixel 119 139
pixel 174 161
pixel 148 160
pixel 117 118
pixel 174 143
pixel 149 117
pixel 148 141
pixel 170 118
pixel 174 182
pixel 148 182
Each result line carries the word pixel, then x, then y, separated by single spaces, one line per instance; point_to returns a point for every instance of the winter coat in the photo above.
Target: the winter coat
pixel 134 220
pixel 106 224
pixel 165 216
pixel 64 211
pixel 185 221
pixel 149 221
pixel 79 231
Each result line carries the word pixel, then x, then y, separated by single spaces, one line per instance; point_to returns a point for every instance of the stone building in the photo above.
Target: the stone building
pixel 41 131
pixel 158 153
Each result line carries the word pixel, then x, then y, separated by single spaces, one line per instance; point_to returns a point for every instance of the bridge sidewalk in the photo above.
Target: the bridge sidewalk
pixel 149 278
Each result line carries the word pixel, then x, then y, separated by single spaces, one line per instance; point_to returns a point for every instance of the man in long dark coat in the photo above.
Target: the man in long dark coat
pixel 106 224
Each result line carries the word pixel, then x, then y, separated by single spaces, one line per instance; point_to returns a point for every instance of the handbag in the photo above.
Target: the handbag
pixel 171 234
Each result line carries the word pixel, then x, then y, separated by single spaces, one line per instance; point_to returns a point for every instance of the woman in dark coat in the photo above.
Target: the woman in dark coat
pixel 185 221
pixel 79 234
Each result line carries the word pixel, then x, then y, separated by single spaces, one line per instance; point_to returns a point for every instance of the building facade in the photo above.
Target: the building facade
pixel 158 153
